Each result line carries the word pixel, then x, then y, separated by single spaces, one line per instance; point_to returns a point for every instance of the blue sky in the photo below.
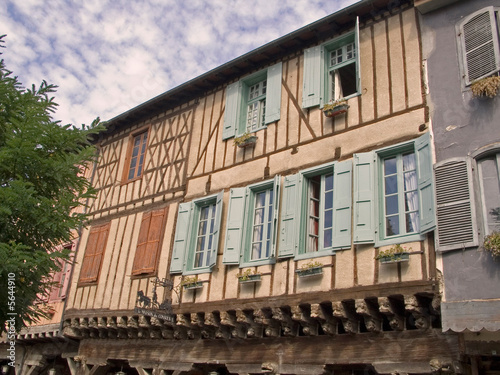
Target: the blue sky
pixel 110 56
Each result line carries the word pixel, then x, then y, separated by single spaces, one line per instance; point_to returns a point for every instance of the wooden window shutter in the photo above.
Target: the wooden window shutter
pixel 456 228
pixel 181 239
pixel 234 230
pixel 313 59
pixel 478 40
pixel 342 204
pixel 233 98
pixel 364 198
pixel 273 94
pixel 218 218
pixel 425 183
pixel 54 292
pixel 96 245
pixel 148 243
pixel 290 217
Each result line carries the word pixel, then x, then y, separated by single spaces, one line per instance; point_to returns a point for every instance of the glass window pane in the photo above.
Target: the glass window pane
pixel 392 226
pixel 328 219
pixel 256 250
pixel 391 205
pixel 412 222
pixel 391 184
pixel 327 238
pixel 390 166
pixel 329 182
pixel 409 162
pixel 329 200
pixel 489 172
pixel 411 201
pixel 257 233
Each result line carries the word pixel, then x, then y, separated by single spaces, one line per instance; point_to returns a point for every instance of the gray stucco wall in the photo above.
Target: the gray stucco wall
pixel 461 125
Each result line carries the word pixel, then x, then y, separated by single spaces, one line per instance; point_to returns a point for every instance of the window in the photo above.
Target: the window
pixel 148 243
pixel 136 155
pixel 253 102
pixel 400 194
pixel 197 235
pixel 251 224
pixel 489 178
pixel 478 44
pixel 61 280
pixel 316 213
pixel 94 253
pixel 393 193
pixel 331 70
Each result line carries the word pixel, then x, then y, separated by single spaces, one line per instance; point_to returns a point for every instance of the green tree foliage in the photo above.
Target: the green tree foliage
pixel 41 184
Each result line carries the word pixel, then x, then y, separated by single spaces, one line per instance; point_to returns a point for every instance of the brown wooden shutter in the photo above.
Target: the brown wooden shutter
pixel 94 253
pixel 148 243
pixel 54 292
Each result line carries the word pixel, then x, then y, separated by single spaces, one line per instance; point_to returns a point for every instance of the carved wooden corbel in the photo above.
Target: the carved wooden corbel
pixel 271 327
pixel 284 317
pixel 388 308
pixel 324 318
pixel 418 311
pixel 370 313
pixel 302 315
pixel 346 313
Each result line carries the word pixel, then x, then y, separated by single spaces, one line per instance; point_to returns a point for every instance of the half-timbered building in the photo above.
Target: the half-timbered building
pixel 242 227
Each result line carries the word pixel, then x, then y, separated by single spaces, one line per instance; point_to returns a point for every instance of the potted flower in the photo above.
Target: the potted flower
pixel 310 268
pixel 191 282
pixel 394 254
pixel 492 243
pixel 488 87
pixel 245 140
pixel 248 276
pixel 335 107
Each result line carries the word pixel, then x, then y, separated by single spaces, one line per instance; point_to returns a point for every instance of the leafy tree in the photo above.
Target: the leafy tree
pixel 40 188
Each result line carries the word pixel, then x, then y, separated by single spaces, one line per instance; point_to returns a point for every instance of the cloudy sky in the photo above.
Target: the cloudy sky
pixel 110 56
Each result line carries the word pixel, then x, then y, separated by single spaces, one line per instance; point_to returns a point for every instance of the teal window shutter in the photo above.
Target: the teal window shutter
pixel 311 93
pixel 218 216
pixel 234 229
pixel 233 98
pixel 273 94
pixel 425 183
pixel 342 204
pixel 181 241
pixel 358 63
pixel 289 225
pixel 364 198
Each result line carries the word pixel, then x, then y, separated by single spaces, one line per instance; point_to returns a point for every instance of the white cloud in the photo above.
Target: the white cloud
pixel 110 56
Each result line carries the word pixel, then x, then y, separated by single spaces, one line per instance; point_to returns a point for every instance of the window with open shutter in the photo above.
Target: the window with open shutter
pixel 148 243
pixel 478 42
pixel 253 102
pixel 94 253
pixel 332 70
pixel 456 228
pixel 197 235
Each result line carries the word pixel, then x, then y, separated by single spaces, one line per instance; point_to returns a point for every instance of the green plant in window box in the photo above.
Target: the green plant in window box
pixel 394 254
pixel 335 107
pixel 191 282
pixel 488 86
pixel 310 268
pixel 492 244
pixel 245 140
pixel 248 276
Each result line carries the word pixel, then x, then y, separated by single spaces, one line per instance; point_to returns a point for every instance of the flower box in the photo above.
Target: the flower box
pixel 246 279
pixel 336 110
pixel 193 285
pixel 311 271
pixel 245 140
pixel 395 258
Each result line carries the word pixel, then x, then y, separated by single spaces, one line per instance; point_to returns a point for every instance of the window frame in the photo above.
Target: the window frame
pixel 140 266
pixel 236 109
pixel 293 223
pixel 398 152
pixel 238 237
pixel 317 80
pixel 187 224
pixel 484 209
pixel 130 149
pixel 367 227
pixel 491 53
